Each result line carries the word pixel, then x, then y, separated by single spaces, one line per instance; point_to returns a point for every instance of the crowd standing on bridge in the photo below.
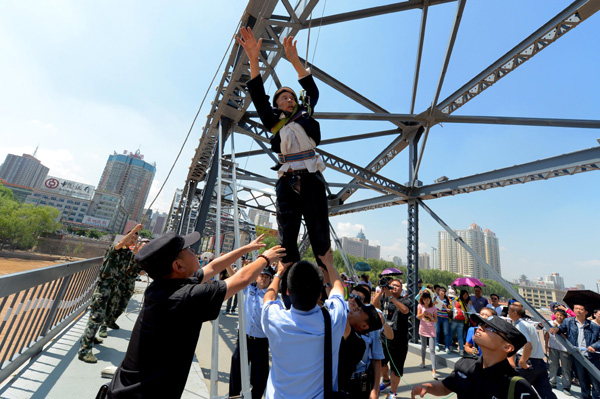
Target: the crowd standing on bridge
pixel 325 337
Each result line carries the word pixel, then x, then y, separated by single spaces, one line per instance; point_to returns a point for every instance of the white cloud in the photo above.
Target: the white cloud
pixel 405 222
pixel 590 263
pixel 349 229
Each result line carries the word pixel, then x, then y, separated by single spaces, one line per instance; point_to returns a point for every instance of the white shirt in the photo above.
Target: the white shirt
pixel 297 341
pixel 531 334
pixel 498 308
pixel 293 140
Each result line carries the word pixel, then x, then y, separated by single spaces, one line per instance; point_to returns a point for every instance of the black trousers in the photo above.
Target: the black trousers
pixel 395 352
pixel 537 376
pixel 258 358
pixel 310 202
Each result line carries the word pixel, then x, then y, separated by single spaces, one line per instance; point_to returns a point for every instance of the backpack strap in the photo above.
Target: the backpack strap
pixel 511 387
pixel 328 366
pixel 282 122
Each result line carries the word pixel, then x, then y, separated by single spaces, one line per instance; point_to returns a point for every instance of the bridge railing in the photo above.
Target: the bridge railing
pixel 36 305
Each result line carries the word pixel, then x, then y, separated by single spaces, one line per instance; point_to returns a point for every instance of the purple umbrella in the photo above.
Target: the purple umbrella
pixel 392 271
pixel 470 281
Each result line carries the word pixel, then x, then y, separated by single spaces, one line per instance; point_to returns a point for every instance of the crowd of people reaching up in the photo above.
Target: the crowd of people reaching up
pixel 338 335
pixel 324 337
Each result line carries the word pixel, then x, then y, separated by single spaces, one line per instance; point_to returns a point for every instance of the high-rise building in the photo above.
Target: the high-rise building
pixel 260 218
pixel 435 264
pixel 424 261
pixel 454 258
pixel 556 280
pixel 23 170
pixel 107 212
pixel 158 223
pixel 359 247
pixel 396 260
pixel 128 175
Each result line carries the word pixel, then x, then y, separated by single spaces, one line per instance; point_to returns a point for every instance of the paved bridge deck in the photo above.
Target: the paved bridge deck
pixel 57 373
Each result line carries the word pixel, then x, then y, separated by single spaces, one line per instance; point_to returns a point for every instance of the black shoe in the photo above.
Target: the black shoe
pixel 113 326
pixel 98 341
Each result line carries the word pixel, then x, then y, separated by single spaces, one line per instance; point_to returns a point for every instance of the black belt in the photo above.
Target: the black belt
pixel 296 172
pixel 254 338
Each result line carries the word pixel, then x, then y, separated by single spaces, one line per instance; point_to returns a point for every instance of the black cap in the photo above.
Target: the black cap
pixel 509 331
pixel 374 319
pixel 157 256
pixel 267 270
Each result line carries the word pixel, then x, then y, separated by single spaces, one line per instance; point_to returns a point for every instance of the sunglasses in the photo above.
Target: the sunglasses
pixel 487 327
pixel 354 296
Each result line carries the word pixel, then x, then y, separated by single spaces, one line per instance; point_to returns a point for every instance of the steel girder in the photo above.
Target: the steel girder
pixel 232 100
pixel 412 268
pixel 562 165
pixel 562 23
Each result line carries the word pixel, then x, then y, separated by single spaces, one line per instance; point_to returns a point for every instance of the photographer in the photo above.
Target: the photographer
pixel 396 311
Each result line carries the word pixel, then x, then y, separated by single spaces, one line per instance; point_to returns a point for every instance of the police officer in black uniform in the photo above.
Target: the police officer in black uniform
pixel 489 376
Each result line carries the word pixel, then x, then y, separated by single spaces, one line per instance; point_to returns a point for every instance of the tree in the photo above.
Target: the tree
pixel 94 233
pixel 22 224
pixel 146 234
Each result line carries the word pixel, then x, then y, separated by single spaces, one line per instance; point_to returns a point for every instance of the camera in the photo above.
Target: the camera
pixel 383 282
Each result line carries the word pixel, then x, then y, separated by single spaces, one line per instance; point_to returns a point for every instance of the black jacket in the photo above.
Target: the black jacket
pixel 270 116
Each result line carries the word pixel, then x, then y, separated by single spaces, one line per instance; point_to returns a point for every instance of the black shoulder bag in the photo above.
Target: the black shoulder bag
pixel 328 369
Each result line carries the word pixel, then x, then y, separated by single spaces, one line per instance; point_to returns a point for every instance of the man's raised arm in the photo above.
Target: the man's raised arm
pixel 219 264
pixel 337 287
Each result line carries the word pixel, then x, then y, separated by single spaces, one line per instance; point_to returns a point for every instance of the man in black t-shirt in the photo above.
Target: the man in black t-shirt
pixel 180 299
pixel 396 311
pixel 489 376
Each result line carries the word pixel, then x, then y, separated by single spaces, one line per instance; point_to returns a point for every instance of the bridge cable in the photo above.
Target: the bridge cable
pixel 194 120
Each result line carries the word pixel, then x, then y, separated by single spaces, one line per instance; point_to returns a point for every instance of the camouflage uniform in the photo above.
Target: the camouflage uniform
pixel 123 293
pixel 115 261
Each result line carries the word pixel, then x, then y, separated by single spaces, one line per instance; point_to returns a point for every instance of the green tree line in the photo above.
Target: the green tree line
pixel 22 224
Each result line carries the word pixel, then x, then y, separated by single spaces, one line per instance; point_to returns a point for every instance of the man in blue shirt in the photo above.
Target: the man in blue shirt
pixel 258 344
pixel 470 346
pixel 296 336
pixel 479 302
pixel 585 336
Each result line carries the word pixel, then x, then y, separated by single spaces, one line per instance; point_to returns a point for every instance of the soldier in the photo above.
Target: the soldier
pixel 123 293
pixel 118 257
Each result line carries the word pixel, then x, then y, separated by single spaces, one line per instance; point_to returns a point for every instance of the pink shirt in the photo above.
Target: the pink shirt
pixel 427 328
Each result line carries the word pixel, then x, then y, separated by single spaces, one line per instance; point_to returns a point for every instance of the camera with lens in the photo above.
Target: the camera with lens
pixel 383 282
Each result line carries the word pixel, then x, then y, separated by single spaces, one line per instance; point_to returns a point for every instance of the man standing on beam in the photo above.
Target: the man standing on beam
pixel 301 187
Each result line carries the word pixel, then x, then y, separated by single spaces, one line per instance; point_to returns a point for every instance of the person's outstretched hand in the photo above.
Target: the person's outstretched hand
pixel 275 254
pixel 256 244
pixel 249 43
pixel 289 45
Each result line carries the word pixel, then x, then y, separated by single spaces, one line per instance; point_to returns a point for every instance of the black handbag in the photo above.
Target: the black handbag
pixel 328 369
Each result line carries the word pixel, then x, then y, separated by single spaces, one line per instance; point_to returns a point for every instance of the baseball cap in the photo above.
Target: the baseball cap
pixel 509 331
pixel 157 256
pixel 374 319
pixel 267 270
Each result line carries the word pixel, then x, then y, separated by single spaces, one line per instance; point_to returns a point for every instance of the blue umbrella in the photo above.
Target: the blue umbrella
pixel 362 266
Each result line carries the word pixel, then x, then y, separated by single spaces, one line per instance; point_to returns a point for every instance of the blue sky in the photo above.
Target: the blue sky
pixel 85 79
